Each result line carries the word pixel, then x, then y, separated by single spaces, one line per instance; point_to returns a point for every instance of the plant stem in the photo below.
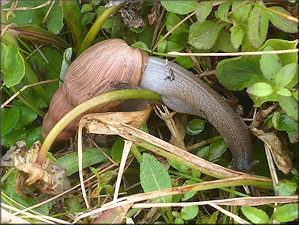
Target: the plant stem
pixel 97 26
pixel 87 105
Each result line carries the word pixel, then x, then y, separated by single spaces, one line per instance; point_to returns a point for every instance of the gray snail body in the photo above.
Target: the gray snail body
pixel 183 92
pixel 180 90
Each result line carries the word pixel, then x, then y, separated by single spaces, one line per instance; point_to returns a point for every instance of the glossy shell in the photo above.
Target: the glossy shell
pixel 91 74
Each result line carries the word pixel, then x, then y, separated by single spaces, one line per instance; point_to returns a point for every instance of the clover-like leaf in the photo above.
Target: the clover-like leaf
pixel 260 89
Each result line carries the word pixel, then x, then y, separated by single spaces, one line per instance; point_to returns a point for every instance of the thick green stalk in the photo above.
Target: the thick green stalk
pixel 97 26
pixel 87 105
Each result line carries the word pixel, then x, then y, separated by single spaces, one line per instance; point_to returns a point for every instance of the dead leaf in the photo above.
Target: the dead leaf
pixel 281 154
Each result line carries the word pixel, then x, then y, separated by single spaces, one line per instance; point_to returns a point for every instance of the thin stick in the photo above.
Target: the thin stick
pixel 23 89
pixel 234 53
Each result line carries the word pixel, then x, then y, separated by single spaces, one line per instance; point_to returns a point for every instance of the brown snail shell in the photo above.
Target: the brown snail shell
pixel 90 75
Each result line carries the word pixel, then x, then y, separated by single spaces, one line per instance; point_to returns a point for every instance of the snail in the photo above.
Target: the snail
pixel 114 61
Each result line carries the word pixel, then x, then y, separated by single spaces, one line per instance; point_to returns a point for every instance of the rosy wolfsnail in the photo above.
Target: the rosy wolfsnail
pixel 114 61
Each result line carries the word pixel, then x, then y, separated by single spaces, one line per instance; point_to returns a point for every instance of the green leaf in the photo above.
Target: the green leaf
pixel 12 65
pixel 86 8
pixel 162 46
pixel 30 135
pixel 27 17
pixel 216 149
pixel 237 73
pixel 179 7
pixel 223 42
pixel 290 106
pixel 203 9
pixel 260 89
pixel 258 26
pixel 9 119
pixel 286 188
pixel 203 35
pixel 283 91
pixel 117 149
pixel 172 46
pixel 281 22
pixel 154 177
pixel 222 12
pixel 91 156
pixel 172 20
pixel 73 204
pixel 296 95
pixel 286 213
pixel 26 116
pixel 195 126
pixel 286 74
pixel 141 45
pixel 55 21
pixel 189 212
pixel 210 219
pixel 87 18
pixel 184 61
pixel 242 13
pixel 188 195
pixel 284 123
pixel 255 215
pixel 270 64
pixel 237 36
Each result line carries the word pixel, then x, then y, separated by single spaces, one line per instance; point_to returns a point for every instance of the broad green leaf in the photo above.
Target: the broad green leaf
pixel 286 74
pixel 179 38
pixel 281 22
pixel 172 46
pixel 91 156
pixel 117 149
pixel 12 65
pixel 237 73
pixel 270 64
pixel 255 215
pixel 286 188
pixel 203 9
pixel 86 8
pixel 189 212
pixel 203 35
pixel 188 195
pixel 260 89
pixel 296 95
pixel 184 61
pixel 241 14
pixel 195 126
pixel 73 204
pixel 179 166
pixel 286 213
pixel 222 12
pixel 55 21
pixel 283 91
pixel 141 45
pixel 30 135
pixel 237 36
pixel 162 46
pixel 285 123
pixel 26 116
pixel 172 20
pixel 258 22
pixel 210 219
pixel 258 101
pixel 290 106
pixel 87 18
pixel 27 17
pixel 179 7
pixel 9 119
pixel 223 42
pixel 216 149
pixel 154 176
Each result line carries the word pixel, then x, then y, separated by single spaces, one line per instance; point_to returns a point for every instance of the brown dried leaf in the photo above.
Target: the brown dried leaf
pixel 281 154
pixel 106 123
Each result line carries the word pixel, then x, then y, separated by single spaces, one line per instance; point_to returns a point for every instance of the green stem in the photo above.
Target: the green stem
pixel 97 26
pixel 28 104
pixel 87 105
